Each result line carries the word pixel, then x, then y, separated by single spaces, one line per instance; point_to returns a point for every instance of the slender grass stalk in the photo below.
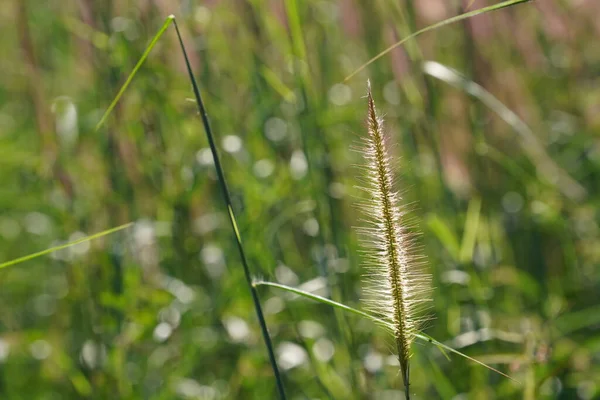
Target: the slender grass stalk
pixel 221 177
pixel 227 197
pixel 396 286
pixel 447 21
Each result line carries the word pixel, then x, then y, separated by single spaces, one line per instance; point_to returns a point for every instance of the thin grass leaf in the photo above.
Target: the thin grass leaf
pixel 421 336
pixel 232 219
pixel 318 298
pixel 553 173
pixel 63 246
pixel 153 42
pixel 452 350
pixel 448 21
pixel 445 235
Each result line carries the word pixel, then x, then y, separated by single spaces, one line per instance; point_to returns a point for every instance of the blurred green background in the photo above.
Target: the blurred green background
pixel 506 205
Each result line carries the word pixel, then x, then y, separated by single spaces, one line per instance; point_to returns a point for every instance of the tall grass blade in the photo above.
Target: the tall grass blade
pixel 529 142
pixel 64 246
pixel 227 198
pixel 448 21
pixel 222 183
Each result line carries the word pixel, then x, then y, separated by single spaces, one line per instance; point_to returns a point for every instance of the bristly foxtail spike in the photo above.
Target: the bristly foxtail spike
pixel 396 286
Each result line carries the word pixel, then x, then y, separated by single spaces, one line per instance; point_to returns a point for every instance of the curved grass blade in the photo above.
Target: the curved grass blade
pixel 320 299
pixel 529 142
pixel 448 21
pixel 441 345
pixel 421 336
pixel 234 226
pixel 64 246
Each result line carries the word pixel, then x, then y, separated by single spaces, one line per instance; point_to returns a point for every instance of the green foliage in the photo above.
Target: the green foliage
pixel 160 310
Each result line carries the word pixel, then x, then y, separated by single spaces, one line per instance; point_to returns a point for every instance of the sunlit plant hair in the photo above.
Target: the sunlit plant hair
pixel 396 286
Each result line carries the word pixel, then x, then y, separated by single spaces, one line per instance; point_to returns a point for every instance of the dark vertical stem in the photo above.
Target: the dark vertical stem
pixel 225 192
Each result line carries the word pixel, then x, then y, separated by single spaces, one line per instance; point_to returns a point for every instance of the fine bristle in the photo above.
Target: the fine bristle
pixel 396 287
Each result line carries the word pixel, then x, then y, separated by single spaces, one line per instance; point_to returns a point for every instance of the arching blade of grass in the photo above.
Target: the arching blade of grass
pixel 529 142
pixel 448 21
pixel 64 246
pixel 320 299
pixel 421 336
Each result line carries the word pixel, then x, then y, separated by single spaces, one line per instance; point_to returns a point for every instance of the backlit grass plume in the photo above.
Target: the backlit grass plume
pixel 396 288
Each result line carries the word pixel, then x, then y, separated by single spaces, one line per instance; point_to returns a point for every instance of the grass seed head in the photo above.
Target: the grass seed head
pixel 396 286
